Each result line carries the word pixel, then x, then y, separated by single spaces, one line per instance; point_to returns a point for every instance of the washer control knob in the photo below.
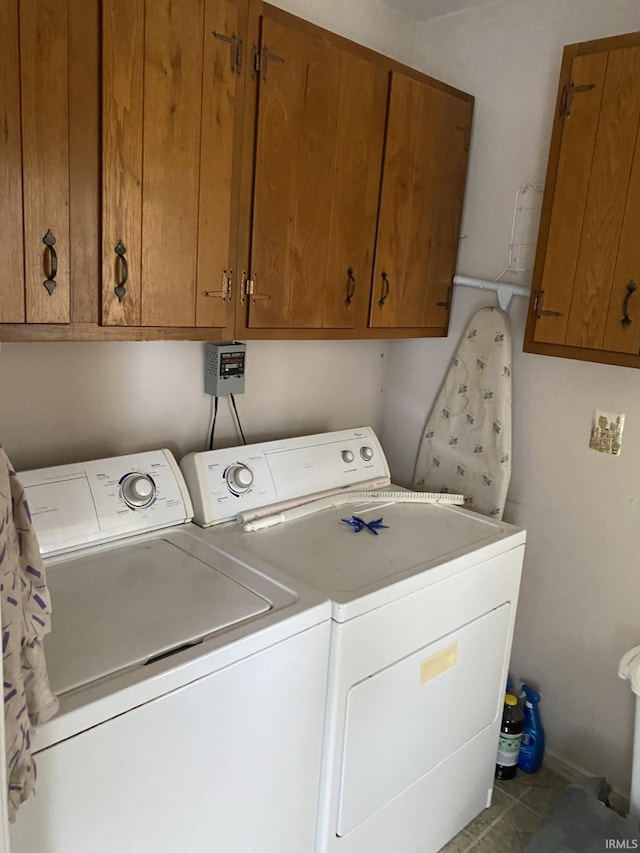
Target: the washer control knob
pixel 366 453
pixel 138 490
pixel 347 456
pixel 239 478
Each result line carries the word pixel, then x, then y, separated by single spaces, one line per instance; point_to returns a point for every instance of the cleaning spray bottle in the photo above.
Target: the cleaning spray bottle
pixel 532 746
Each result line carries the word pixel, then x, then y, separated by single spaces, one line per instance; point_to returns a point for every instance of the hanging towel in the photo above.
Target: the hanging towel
pixel 26 618
pixel 466 444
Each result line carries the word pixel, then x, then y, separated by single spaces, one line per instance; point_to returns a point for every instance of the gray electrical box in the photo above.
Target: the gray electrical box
pixel 224 368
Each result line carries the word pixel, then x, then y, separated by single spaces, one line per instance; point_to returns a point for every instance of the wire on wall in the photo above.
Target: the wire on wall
pixel 213 422
pixel 235 410
pixel 214 416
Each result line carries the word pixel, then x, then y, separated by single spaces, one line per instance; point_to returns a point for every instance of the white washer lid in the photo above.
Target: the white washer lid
pixel 123 606
pixel 327 554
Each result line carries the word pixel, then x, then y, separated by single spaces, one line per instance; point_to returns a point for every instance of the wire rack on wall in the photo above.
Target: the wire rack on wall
pixel 522 246
pixel 524 230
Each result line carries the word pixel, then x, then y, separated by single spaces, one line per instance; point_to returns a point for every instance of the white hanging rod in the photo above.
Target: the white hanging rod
pixel 504 290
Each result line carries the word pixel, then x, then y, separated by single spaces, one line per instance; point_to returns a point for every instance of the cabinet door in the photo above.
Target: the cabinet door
pixel 622 330
pixel 12 296
pixel 588 261
pixel 34 161
pixel 171 86
pixel 318 151
pixel 423 183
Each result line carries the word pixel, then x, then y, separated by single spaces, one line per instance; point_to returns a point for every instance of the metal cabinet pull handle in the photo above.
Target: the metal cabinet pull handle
pixel 263 58
pixel 49 241
pixel 351 287
pixel 626 319
pixel 120 289
pixel 538 311
pixel 385 290
pixel 225 287
pixel 449 299
pixel 235 48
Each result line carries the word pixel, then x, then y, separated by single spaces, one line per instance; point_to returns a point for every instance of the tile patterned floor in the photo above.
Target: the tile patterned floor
pixel 516 812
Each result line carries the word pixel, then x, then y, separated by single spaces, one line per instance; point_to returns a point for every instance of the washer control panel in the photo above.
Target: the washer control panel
pixel 223 483
pixel 82 504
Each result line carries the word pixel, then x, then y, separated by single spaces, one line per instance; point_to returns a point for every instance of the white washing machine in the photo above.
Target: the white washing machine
pixel 424 602
pixel 191 686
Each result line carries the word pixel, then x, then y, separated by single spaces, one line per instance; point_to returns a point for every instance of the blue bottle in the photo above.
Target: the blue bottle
pixel 532 746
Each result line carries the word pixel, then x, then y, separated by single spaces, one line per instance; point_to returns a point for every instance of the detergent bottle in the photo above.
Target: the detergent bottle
pixel 532 746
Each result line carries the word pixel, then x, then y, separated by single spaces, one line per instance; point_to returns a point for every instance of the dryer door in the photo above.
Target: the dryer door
pixel 407 718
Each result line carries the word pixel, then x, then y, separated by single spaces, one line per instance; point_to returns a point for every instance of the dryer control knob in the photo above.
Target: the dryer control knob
pixel 239 478
pixel 366 453
pixel 138 490
pixel 347 456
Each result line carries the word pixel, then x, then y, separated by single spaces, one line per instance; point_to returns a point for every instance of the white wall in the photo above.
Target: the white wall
pixel 578 610
pixel 64 402
pixel 369 22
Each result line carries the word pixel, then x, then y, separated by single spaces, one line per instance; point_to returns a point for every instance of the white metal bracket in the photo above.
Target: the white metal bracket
pixel 504 290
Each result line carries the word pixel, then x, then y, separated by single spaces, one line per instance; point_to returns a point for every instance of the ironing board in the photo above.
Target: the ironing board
pixel 466 444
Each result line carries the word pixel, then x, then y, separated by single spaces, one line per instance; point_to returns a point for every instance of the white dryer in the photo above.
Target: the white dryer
pixel 424 602
pixel 191 686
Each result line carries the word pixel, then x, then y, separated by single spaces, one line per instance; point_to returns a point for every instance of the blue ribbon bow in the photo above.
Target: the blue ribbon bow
pixel 359 523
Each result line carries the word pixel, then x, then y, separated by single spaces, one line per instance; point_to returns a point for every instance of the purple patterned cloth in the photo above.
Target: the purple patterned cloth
pixel 26 618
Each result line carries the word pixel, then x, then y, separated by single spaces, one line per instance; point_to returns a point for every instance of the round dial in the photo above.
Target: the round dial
pixel 366 453
pixel 138 490
pixel 239 478
pixel 347 456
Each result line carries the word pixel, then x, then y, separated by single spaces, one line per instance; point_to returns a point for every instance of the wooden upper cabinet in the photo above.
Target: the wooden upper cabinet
pixel 319 138
pixel 424 173
pixel 34 161
pixel 172 85
pixel 587 273
pixel 356 160
pixel 202 168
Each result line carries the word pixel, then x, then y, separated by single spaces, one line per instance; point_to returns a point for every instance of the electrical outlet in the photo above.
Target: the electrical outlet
pixel 606 432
